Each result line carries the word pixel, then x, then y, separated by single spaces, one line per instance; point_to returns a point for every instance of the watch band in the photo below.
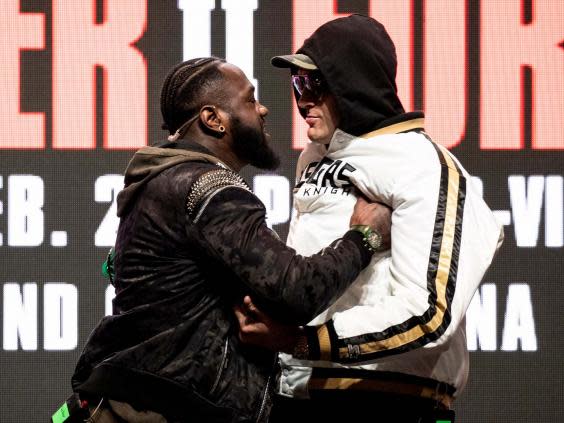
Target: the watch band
pixel 301 349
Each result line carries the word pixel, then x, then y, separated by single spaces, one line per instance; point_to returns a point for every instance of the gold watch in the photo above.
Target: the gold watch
pixel 301 349
pixel 372 238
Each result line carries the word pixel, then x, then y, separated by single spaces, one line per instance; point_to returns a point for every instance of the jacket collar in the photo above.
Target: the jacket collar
pixel 409 124
pixel 405 122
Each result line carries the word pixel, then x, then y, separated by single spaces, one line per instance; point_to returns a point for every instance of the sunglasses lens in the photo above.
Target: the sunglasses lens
pixel 299 84
pixel 312 83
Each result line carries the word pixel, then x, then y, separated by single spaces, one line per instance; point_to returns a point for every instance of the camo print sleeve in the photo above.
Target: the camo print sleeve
pixel 294 289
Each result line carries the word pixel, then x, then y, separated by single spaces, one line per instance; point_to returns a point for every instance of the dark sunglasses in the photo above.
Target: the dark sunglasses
pixel 313 82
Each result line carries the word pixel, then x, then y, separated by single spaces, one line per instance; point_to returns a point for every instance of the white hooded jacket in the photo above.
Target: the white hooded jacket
pixel 404 315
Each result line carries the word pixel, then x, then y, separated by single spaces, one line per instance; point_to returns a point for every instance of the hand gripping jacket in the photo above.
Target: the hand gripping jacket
pixel 192 241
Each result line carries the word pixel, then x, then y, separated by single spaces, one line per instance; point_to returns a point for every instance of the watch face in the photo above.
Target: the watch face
pixel 374 239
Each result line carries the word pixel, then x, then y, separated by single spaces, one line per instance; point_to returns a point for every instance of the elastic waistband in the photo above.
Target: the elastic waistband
pixel 382 382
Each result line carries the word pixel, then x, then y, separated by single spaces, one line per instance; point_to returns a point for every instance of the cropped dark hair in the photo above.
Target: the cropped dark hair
pixel 187 87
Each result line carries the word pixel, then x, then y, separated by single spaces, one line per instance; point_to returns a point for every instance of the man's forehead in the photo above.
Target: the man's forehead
pixel 236 76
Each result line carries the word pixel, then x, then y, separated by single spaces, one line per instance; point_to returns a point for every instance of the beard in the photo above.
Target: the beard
pixel 251 145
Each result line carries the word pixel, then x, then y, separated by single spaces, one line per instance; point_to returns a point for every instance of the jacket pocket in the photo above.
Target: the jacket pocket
pixel 222 366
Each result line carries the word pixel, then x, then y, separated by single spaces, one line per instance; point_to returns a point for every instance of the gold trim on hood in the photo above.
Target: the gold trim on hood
pixel 396 128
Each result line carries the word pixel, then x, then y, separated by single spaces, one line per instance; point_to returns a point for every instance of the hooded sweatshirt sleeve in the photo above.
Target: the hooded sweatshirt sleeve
pixel 232 231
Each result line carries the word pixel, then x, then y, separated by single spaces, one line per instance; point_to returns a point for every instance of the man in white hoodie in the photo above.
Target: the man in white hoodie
pixel 393 345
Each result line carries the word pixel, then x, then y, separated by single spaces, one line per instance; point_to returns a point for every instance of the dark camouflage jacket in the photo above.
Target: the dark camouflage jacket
pixel 192 241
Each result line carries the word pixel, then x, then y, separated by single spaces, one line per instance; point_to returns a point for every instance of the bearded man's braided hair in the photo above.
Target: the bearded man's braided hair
pixel 187 87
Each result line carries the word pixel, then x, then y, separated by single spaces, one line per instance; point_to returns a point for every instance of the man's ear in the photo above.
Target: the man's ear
pixel 211 120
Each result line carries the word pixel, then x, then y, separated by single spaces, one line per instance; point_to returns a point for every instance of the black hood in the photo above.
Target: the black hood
pixel 357 58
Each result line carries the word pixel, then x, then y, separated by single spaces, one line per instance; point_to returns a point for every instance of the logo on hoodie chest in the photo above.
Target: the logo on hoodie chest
pixel 326 177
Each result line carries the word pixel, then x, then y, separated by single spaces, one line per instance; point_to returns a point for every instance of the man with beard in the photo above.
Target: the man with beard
pixel 192 242
pixel 393 346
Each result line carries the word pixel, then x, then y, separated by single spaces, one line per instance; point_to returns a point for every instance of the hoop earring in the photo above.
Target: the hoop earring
pixel 221 128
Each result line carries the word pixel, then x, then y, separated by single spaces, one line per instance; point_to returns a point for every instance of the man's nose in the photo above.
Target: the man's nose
pixel 263 110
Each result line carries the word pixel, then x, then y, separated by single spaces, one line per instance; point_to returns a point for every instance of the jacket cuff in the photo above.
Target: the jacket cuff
pixel 358 239
pixel 320 340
